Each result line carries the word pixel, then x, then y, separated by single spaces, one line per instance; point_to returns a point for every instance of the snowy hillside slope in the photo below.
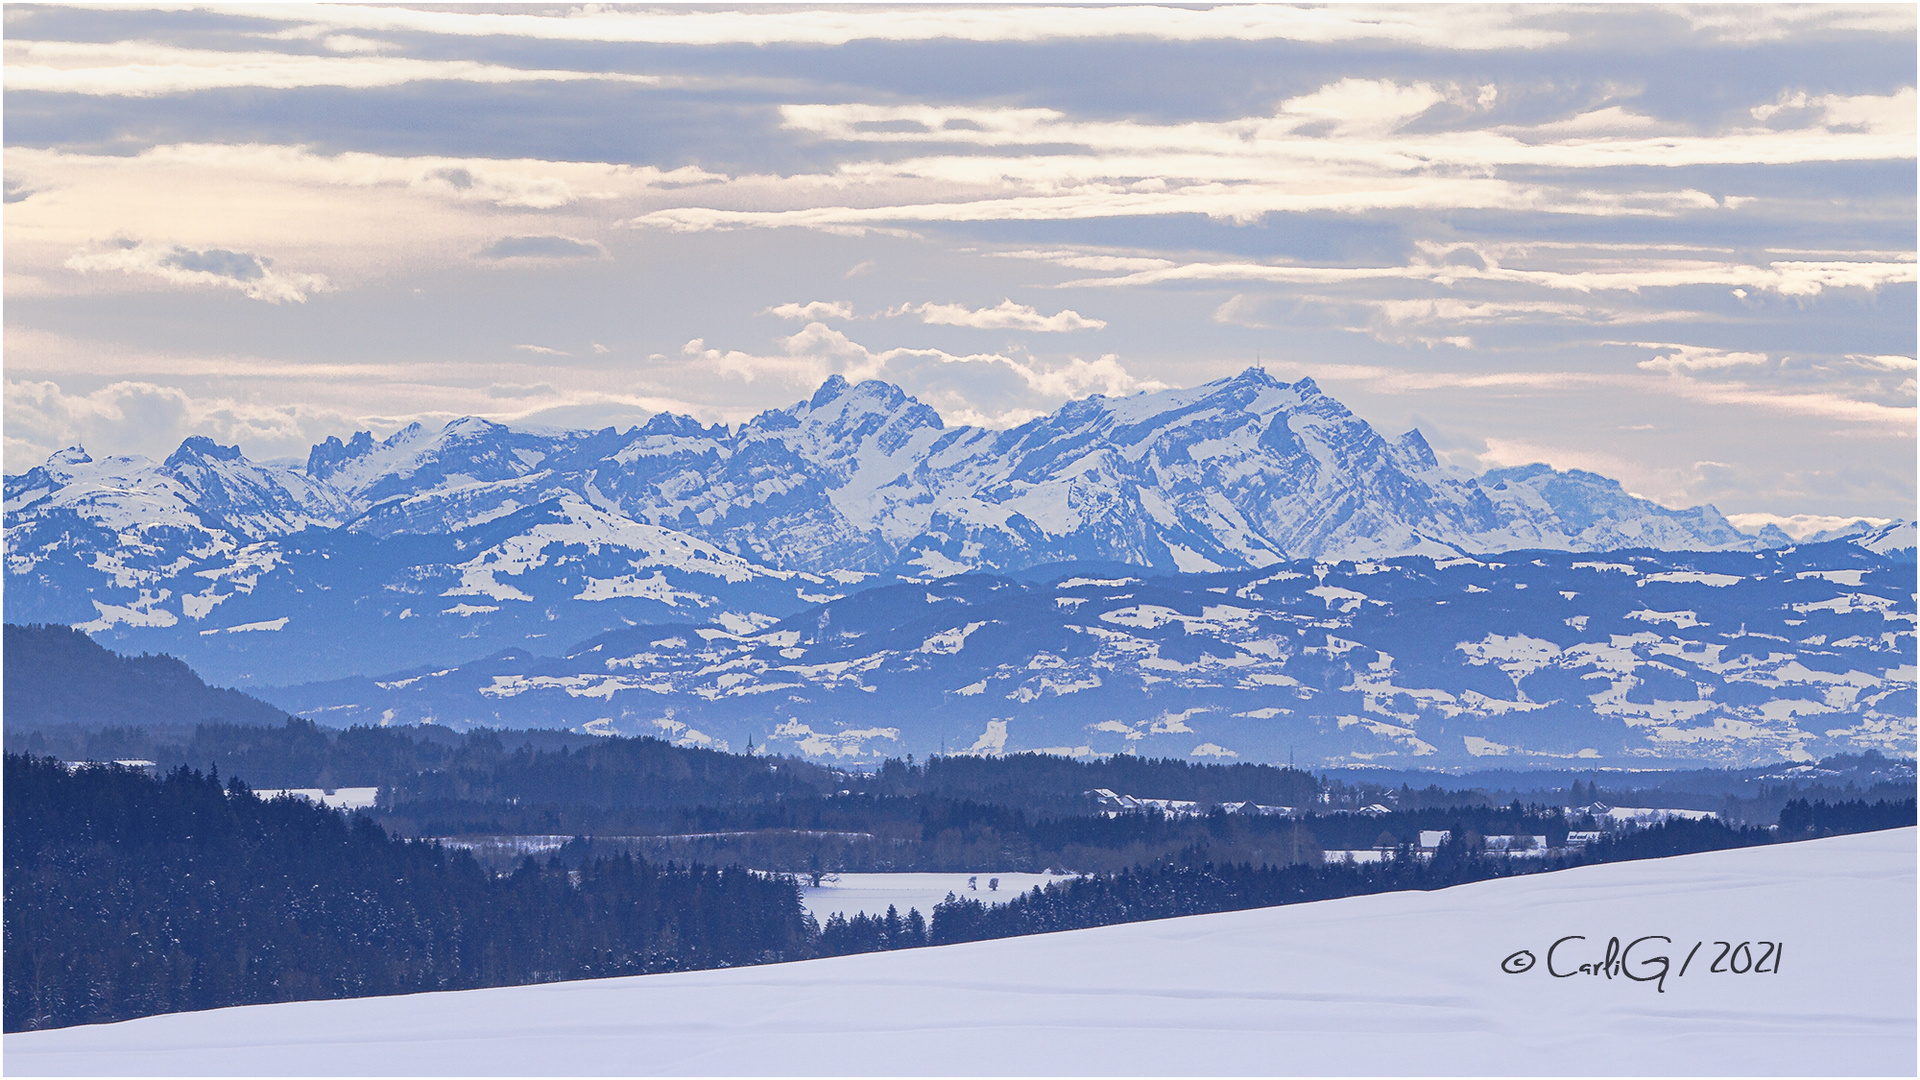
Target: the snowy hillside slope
pixel 322 602
pixel 1397 983
pixel 1641 659
pixel 272 574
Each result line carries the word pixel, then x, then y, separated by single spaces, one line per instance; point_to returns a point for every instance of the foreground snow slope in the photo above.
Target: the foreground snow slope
pixel 1396 983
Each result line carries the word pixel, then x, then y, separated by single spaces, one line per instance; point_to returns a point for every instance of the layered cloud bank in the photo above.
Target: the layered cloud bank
pixel 1512 227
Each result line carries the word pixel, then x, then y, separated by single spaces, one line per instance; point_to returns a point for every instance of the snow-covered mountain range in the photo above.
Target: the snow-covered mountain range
pixel 431 549
pixel 1643 658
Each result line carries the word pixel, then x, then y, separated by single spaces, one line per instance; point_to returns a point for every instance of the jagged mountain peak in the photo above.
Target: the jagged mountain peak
pixel 198 448
pixel 1413 447
pixel 1540 470
pixel 833 387
pixel 471 427
pixel 838 399
pixel 1255 375
pixel 328 455
pixel 668 423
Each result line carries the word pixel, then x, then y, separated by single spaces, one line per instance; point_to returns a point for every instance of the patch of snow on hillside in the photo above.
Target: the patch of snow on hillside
pixel 1680 619
pixel 197 605
pixel 1848 603
pixel 991 742
pixel 1518 655
pixel 1718 581
pixel 142 612
pixel 1112 583
pixel 466 611
pixel 850 743
pixel 1480 747
pixel 633 586
pixel 682 735
pixel 1850 578
pixel 245 628
pixel 1347 598
pixel 948 642
pixel 1142 616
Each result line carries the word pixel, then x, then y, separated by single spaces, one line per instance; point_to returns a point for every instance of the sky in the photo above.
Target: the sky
pixel 1675 246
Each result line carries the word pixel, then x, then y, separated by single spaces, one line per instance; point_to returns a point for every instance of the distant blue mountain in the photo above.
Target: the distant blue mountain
pixel 1638 658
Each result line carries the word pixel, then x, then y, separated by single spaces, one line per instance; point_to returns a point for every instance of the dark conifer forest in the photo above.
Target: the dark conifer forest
pixel 129 894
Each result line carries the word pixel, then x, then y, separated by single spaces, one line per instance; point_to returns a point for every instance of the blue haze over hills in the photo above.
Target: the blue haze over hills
pixel 1224 571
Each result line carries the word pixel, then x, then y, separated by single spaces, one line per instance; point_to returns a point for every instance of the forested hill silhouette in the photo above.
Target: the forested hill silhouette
pixel 56 675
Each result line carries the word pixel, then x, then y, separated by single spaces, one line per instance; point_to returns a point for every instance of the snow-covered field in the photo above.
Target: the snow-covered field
pixel 346 798
pixel 1407 983
pixel 871 893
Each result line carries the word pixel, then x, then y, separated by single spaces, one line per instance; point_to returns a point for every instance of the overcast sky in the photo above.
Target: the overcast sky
pixel 1675 246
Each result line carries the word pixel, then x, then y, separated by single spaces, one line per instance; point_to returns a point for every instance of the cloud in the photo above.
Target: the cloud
pixel 812 311
pixel 1349 147
pixel 1503 453
pixel 1778 22
pixel 146 69
pixel 992 389
pixel 1824 403
pixel 541 350
pixel 294 174
pixel 119 398
pixel 1364 105
pixel 543 247
pixel 1241 310
pixel 42 417
pixel 1798 526
pixel 502 189
pixel 1007 315
pixel 1694 358
pixel 1356 126
pixel 1882 363
pixel 382 214
pixel 251 274
pixel 1794 278
pixel 1462 27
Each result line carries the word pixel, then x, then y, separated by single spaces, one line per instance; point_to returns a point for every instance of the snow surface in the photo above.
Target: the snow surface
pixel 346 798
pixel 871 893
pixel 1406 983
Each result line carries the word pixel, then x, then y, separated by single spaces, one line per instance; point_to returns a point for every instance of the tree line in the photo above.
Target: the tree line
pixel 129 894
pixel 1194 883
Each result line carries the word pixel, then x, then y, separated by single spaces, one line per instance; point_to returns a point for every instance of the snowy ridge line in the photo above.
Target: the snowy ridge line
pixel 1399 982
pixel 1244 472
